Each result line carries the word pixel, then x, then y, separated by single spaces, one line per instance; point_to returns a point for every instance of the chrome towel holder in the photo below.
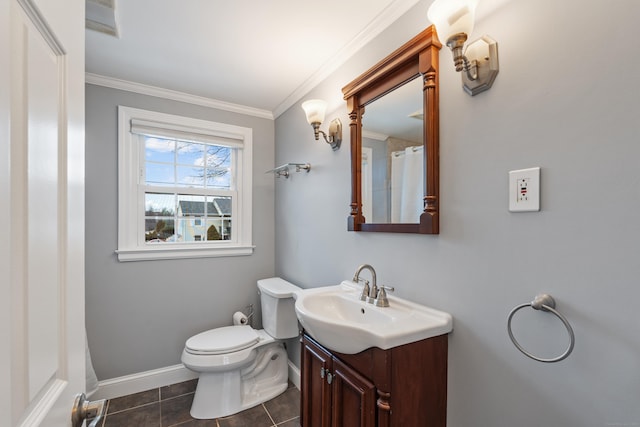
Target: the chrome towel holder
pixel 284 169
pixel 543 302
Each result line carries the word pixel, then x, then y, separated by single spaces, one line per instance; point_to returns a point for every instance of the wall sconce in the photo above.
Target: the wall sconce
pixel 315 109
pixel 454 21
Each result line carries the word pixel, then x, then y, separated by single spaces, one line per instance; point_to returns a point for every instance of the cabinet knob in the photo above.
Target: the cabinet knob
pixel 322 372
pixel 329 378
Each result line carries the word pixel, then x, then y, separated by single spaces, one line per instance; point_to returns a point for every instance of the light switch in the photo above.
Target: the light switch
pixel 524 190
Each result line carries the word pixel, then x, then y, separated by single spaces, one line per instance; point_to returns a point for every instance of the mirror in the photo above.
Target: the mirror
pixel 394 128
pixel 392 156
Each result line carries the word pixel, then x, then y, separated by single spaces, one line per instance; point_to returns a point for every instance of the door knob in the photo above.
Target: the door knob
pixel 82 409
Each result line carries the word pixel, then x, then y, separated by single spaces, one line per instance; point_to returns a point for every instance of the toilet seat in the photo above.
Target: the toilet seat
pixel 223 340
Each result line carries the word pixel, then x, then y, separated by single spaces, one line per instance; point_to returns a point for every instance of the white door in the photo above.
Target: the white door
pixel 42 361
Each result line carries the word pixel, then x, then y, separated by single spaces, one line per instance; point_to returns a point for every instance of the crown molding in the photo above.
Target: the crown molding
pixel 374 135
pixel 387 17
pixel 111 82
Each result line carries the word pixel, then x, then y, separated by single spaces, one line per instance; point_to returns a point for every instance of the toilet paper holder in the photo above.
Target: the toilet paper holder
pixel 250 315
pixel 239 318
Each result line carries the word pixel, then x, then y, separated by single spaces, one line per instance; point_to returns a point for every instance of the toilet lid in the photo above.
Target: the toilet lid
pixel 222 340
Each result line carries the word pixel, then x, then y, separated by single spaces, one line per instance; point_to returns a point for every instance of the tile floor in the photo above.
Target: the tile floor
pixel 169 406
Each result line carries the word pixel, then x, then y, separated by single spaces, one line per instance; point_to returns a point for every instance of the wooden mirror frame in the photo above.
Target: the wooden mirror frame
pixel 419 56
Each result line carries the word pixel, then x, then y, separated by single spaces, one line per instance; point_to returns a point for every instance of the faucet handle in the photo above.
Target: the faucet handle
pixel 365 289
pixel 381 299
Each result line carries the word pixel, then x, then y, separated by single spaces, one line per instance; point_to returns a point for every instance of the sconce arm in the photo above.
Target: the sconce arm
pixel 328 139
pixel 334 138
pixel 471 68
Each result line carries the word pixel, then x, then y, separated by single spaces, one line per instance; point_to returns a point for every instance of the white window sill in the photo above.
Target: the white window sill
pixel 182 252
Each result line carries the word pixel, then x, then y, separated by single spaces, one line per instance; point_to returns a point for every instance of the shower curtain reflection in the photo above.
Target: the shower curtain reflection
pixel 407 170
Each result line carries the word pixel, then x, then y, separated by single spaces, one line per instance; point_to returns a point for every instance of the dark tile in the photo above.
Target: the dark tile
pixel 133 400
pixel 142 416
pixel 284 407
pixel 175 390
pixel 291 423
pixel 175 411
pixel 254 417
pixel 198 423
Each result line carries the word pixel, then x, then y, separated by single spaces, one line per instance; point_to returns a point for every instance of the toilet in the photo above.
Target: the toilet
pixel 241 367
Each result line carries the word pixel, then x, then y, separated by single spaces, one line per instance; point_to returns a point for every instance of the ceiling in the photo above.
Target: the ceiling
pixel 263 54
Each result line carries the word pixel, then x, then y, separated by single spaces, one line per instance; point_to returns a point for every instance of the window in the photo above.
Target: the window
pixel 184 187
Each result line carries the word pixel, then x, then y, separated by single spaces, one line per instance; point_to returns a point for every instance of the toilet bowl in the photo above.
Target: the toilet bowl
pixel 240 367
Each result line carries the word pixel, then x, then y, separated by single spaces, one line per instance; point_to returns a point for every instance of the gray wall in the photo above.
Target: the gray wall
pixel 566 99
pixel 139 314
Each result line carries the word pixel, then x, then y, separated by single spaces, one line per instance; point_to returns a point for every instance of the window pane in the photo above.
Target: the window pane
pixel 214 229
pixel 190 206
pixel 158 173
pixel 219 217
pixel 226 229
pixel 219 206
pixel 190 176
pixel 159 150
pixel 186 218
pixel 190 153
pixel 191 210
pixel 158 229
pixel 218 229
pixel 159 204
pixel 218 166
pixel 188 231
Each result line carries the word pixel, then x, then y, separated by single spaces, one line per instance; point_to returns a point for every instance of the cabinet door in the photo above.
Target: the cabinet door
pixel 354 398
pixel 315 406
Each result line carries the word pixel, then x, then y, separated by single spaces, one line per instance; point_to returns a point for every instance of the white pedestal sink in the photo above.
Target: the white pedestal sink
pixel 337 318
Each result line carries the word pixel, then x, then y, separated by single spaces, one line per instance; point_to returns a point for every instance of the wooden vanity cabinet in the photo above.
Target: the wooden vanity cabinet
pixel 403 386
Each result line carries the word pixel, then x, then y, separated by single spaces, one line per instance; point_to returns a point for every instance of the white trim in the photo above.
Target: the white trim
pixel 374 135
pixel 43 405
pixel 180 253
pixel 142 89
pixel 142 381
pixel 135 383
pixel 41 25
pixel 387 17
pixel 294 374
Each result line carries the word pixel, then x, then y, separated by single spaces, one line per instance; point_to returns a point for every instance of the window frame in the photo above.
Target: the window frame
pixel 131 201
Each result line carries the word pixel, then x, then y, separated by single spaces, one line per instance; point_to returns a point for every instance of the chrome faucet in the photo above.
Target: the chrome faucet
pixel 367 294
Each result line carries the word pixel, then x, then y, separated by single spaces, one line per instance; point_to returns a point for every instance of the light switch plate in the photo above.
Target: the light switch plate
pixel 524 190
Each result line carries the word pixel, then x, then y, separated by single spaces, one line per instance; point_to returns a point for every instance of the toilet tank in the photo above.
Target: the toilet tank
pixel 278 307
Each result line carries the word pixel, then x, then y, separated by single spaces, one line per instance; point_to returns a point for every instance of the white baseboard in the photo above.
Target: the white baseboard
pixel 135 383
pixel 294 374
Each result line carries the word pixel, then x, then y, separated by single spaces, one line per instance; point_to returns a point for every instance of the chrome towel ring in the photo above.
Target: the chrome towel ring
pixel 543 302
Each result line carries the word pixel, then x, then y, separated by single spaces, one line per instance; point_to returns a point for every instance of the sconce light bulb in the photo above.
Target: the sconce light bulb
pixel 315 110
pixel 452 16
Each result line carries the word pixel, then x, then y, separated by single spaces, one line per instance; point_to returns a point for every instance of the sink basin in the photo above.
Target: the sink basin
pixel 335 316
